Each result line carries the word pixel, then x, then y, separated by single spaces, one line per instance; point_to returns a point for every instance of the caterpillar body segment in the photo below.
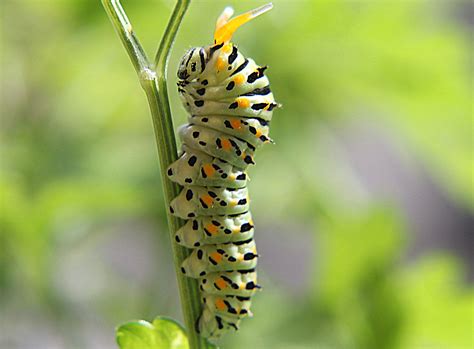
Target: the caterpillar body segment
pixel 198 168
pixel 230 106
pixel 210 230
pixel 206 259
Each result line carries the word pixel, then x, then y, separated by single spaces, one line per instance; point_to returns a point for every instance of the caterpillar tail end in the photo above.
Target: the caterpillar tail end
pixel 212 326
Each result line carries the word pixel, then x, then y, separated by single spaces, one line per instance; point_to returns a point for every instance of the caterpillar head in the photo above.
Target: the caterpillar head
pixel 192 64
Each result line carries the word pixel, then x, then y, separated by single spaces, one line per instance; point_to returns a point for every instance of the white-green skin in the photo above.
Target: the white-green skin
pixel 230 105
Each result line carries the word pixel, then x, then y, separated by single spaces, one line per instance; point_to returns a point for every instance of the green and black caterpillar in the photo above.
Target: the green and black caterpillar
pixel 230 105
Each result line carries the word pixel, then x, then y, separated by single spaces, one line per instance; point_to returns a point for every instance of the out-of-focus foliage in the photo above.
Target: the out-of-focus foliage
pixel 83 235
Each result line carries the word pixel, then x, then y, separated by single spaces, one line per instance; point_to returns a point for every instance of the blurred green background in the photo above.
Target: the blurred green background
pixel 364 207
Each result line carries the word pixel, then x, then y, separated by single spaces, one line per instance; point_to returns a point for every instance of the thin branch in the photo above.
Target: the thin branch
pixel 124 29
pixel 163 53
pixel 155 87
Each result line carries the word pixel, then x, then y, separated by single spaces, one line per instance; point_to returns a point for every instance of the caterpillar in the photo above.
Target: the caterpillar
pixel 230 105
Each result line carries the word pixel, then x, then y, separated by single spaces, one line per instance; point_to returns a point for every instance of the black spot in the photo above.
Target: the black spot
pixel 183 270
pixel 218 142
pixel 261 70
pixel 252 129
pixel 203 204
pixel 197 244
pixel 252 77
pixel 203 173
pixel 200 254
pixel 204 281
pixel 245 227
pixel 190 55
pixel 198 103
pixel 249 256
pixel 202 273
pixel 227 231
pixel 216 223
pixel 195 134
pixel 189 194
pixel 263 138
pixel 259 106
pixel 230 86
pixel 263 122
pixel 188 180
pixel 176 237
pixel 250 285
pixel 171 210
pixel 212 194
pixel 272 105
pixel 233 105
pixel 232 259
pixel 203 62
pixel 214 49
pixel 224 175
pixel 192 160
pixel 201 91
pixel 242 299
pixel 219 323
pixel 220 251
pixel 195 225
pixel 240 67
pixel 204 82
pixel 243 311
pixel 242 202
pixel 241 176
pixel 259 91
pixel 223 203
pixel 207 232
pixel 202 143
pixel 243 242
pixel 248 160
pixel 233 55
pixel 234 326
pixel 191 215
pixel 170 172
pixel 227 124
pixel 212 261
pixel 193 66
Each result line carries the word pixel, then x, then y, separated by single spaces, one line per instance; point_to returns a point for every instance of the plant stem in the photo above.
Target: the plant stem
pixel 155 87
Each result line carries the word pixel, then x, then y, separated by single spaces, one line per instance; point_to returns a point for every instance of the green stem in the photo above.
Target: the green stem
pixel 155 87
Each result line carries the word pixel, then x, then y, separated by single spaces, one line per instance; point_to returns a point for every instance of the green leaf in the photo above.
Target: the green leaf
pixel 162 333
pixel 171 332
pixel 136 334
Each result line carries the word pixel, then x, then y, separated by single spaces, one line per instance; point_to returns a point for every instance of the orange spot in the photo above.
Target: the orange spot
pixel 226 145
pixel 211 228
pixel 227 48
pixel 217 257
pixel 220 64
pixel 207 199
pixel 233 203
pixel 243 102
pixel 239 79
pixel 220 304
pixel 221 283
pixel 236 124
pixel 259 133
pixel 242 286
pixel 208 170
